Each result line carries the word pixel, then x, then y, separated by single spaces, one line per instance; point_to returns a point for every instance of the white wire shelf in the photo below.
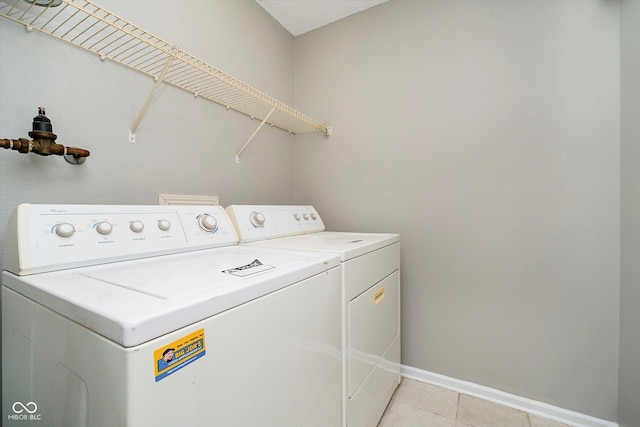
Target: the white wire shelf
pixel 91 27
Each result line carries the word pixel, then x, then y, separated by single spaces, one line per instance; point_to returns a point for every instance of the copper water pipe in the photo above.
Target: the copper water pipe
pixel 43 142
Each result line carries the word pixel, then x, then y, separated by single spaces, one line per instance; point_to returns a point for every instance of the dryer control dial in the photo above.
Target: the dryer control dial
pixel 207 223
pixel 65 229
pixel 257 219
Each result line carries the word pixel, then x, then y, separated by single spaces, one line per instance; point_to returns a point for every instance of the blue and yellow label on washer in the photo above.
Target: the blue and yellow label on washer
pixel 180 353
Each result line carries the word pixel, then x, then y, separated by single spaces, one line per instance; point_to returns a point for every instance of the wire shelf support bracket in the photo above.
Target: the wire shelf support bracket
pixel 145 107
pixel 253 135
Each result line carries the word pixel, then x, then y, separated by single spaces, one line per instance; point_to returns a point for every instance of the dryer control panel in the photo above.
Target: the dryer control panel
pixel 43 238
pixel 259 222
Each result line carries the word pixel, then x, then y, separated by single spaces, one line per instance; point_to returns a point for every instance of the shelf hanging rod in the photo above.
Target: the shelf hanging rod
pixel 254 134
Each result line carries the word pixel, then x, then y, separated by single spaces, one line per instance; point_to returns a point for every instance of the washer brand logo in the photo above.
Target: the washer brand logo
pixel 24 412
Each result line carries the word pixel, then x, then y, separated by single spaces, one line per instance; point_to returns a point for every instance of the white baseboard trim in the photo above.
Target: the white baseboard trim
pixel 542 409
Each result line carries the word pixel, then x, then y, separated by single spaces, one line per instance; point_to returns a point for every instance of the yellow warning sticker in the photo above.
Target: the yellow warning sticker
pixel 178 354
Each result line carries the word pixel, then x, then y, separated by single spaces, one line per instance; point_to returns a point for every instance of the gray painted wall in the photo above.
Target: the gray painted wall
pixel 629 400
pixel 487 134
pixel 184 145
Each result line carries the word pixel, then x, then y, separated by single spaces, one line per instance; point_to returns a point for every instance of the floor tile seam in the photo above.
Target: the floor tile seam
pixel 421 409
pixel 528 418
pixel 461 394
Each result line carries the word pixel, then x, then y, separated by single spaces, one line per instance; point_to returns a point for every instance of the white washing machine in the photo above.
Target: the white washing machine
pixel 370 298
pixel 153 315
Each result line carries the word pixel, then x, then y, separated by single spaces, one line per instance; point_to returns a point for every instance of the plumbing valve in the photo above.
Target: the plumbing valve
pixel 43 142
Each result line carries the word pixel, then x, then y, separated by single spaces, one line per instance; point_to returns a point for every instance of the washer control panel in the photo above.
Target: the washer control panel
pixel 53 237
pixel 259 222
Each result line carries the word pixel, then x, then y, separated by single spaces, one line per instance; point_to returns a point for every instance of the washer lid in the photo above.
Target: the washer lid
pixel 132 302
pixel 347 245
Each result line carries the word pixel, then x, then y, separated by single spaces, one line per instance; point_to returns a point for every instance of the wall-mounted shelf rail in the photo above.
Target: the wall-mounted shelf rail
pixel 90 27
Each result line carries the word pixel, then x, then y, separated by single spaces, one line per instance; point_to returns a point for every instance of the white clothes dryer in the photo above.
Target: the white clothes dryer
pixel 370 298
pixel 153 315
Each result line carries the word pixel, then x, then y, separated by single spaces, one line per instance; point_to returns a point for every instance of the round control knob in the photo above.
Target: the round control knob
pixel 104 227
pixel 314 216
pixel 65 229
pixel 257 219
pixel 208 223
pixel 136 226
pixel 164 225
pixel 305 216
pixel 296 217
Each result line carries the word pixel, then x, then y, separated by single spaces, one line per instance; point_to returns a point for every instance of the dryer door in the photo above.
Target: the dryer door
pixel 374 323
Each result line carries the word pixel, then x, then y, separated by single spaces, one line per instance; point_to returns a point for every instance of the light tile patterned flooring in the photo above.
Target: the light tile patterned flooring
pixel 417 404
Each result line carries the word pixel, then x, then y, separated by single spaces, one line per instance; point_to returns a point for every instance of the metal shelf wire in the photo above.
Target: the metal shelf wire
pixel 91 27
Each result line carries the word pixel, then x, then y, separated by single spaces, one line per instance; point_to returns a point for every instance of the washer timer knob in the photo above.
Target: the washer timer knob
pixel 104 227
pixel 164 225
pixel 207 223
pixel 257 219
pixel 136 226
pixel 65 229
pixel 296 217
